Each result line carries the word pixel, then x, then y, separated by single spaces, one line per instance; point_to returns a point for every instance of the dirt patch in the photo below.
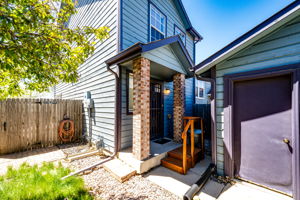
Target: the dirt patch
pixel 75 148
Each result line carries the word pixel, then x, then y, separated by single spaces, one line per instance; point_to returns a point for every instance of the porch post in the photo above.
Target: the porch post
pixel 141 108
pixel 179 101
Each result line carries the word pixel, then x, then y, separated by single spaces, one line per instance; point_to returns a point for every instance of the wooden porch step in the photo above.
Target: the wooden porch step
pixel 177 153
pixel 174 159
pixel 173 164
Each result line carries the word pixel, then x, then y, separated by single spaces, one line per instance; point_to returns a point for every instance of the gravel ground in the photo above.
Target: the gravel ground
pixel 103 186
pixel 74 148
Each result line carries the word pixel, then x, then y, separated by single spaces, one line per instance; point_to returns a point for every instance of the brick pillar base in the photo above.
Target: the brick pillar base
pixel 141 108
pixel 179 98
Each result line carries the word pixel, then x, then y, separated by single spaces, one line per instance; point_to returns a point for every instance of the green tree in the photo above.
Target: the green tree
pixel 37 49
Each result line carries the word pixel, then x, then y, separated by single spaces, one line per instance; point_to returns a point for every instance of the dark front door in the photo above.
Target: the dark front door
pixel 262 122
pixel 156 111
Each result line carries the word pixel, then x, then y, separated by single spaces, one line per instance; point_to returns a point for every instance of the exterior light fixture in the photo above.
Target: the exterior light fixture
pixel 167 91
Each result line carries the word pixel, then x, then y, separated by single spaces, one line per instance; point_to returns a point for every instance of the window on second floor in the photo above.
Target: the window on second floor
pixel 157 24
pixel 200 89
pixel 178 31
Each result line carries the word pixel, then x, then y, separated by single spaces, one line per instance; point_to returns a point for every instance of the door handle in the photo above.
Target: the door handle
pixel 285 140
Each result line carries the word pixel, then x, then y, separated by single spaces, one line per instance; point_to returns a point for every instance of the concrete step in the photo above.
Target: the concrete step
pixel 119 170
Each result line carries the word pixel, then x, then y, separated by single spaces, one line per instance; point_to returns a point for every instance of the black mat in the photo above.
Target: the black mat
pixel 162 141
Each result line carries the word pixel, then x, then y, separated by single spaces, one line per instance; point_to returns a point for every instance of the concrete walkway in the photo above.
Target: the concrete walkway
pixel 178 184
pixel 35 156
pixel 174 182
pixel 240 190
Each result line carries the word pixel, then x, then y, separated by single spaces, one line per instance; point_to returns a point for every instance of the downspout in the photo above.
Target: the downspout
pixel 117 125
pixel 196 187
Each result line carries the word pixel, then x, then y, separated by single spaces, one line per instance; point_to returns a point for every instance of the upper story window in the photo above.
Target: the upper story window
pixel 200 89
pixel 178 31
pixel 157 24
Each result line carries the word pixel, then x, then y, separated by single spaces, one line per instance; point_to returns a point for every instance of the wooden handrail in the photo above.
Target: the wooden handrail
pixel 190 125
pixel 184 147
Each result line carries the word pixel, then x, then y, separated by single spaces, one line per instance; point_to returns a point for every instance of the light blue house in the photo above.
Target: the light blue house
pixel 131 76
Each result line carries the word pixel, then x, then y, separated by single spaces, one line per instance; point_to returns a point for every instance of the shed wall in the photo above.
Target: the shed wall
pixel 282 47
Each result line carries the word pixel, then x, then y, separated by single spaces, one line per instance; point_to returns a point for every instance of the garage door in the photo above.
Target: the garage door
pixel 262 122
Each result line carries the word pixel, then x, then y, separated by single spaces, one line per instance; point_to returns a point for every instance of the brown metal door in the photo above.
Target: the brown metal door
pixel 262 122
pixel 156 111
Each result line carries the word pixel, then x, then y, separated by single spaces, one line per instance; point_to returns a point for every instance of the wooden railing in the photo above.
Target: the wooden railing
pixel 189 124
pixel 184 147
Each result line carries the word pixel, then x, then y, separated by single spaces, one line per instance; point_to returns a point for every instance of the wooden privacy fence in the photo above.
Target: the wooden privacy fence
pixel 31 123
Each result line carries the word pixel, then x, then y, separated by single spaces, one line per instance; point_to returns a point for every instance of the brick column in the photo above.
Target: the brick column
pixel 141 108
pixel 179 100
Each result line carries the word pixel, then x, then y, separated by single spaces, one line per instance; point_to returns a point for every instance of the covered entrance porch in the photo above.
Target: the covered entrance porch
pixel 155 86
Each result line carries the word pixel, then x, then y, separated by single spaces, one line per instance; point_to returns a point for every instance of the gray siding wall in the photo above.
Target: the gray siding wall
pixel 279 48
pixel 94 76
pixel 135 23
pixel 126 124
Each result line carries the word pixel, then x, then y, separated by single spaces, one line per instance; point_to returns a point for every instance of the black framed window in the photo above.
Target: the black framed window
pixel 157 24
pixel 129 86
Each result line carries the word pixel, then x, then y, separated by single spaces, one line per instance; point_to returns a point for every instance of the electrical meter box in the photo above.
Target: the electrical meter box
pixel 87 95
pixel 88 101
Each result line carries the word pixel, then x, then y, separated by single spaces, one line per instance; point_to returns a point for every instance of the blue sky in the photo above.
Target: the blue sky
pixel 222 21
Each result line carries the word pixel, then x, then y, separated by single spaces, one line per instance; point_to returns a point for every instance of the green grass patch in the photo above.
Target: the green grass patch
pixel 44 182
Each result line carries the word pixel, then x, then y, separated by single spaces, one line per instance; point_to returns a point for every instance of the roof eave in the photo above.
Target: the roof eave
pixel 211 61
pixel 197 37
pixel 189 27
pixel 136 49
pixel 139 48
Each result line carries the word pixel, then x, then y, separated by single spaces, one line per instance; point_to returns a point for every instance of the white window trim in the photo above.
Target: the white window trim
pixel 152 26
pixel 181 33
pixel 198 86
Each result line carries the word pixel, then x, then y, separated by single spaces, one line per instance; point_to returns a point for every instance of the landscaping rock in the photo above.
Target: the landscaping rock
pixel 103 186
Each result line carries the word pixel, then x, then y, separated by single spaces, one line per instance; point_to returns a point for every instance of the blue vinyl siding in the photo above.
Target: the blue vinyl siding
pixel 168 104
pixel 168 110
pixel 189 96
pixel 136 28
pixel 282 47
pixel 94 76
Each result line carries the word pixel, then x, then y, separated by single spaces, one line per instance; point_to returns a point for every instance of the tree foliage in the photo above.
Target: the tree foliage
pixel 37 49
